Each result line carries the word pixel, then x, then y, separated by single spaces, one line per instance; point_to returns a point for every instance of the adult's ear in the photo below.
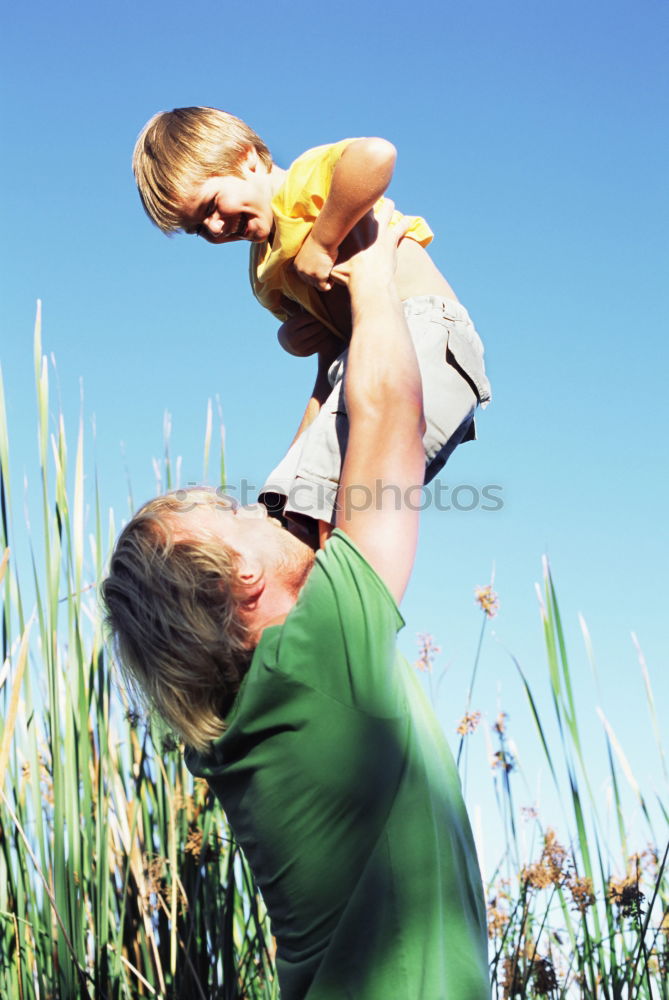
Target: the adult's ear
pixel 252 579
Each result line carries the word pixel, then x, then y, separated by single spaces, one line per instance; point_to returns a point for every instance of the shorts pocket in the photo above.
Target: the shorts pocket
pixel 464 348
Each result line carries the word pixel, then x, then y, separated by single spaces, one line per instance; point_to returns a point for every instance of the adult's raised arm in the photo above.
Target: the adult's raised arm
pixel 384 467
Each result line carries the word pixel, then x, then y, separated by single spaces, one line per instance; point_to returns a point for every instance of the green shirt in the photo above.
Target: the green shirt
pixel 339 785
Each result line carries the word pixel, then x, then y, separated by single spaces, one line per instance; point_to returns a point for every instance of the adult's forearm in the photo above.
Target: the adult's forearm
pixel 386 424
pixel 383 383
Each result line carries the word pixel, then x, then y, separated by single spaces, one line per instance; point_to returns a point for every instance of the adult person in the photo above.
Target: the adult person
pixel 279 669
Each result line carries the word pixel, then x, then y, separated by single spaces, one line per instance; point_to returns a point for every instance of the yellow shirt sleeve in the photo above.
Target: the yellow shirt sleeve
pixel 296 206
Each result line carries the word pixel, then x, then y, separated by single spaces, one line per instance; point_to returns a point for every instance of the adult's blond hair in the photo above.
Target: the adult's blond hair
pixel 172 600
pixel 181 148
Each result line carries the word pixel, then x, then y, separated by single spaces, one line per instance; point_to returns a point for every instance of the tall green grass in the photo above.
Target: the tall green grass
pixel 119 877
pixel 118 874
pixel 583 916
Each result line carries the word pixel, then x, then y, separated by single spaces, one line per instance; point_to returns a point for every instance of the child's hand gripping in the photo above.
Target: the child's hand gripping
pixel 314 262
pixel 322 268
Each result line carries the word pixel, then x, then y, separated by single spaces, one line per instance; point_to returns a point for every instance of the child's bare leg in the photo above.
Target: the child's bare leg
pixel 302 335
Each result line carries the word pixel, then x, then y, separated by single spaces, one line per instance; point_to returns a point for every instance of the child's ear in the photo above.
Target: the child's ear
pixel 251 160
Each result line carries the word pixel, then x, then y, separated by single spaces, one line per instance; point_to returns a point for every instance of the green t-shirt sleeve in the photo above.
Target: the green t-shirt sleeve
pixel 340 639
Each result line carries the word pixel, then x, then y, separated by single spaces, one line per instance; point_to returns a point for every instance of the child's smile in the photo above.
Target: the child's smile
pixel 229 208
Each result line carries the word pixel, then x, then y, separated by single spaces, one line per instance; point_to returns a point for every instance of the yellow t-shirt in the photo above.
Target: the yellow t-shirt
pixel 296 206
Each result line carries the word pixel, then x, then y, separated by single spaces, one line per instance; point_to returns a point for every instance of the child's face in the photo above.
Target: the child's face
pixel 224 209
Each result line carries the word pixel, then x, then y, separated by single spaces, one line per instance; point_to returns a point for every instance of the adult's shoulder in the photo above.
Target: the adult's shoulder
pixel 342 569
pixel 341 636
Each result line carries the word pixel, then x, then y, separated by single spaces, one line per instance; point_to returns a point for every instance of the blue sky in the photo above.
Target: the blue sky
pixel 531 137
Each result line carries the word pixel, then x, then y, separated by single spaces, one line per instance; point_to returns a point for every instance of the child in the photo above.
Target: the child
pixel 206 172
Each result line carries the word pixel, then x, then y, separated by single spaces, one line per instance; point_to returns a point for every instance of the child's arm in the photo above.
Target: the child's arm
pixel 360 178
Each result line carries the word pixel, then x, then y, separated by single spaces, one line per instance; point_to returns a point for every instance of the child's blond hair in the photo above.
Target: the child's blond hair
pixel 184 147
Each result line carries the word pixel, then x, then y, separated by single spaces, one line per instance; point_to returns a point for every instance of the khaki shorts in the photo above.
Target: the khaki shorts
pixel 450 357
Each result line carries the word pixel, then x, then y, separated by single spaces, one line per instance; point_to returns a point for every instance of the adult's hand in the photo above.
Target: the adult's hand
pixel 376 236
